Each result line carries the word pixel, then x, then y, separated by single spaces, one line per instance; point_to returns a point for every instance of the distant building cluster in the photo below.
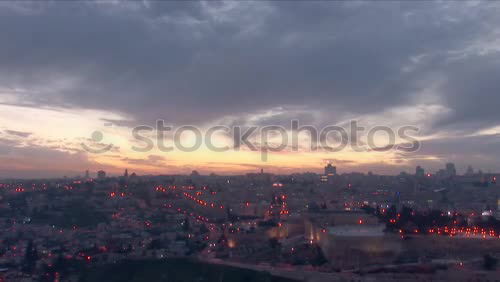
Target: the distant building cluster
pixel 336 223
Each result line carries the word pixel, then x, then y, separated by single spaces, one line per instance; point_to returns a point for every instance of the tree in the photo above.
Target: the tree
pixel 274 243
pixel 489 263
pixel 319 257
pixel 30 258
pixel 185 225
pixel 204 229
pixel 155 244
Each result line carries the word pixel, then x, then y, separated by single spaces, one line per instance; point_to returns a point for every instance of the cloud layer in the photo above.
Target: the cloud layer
pixel 430 64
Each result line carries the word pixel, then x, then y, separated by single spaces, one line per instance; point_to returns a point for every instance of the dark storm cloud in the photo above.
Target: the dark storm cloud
pixel 480 151
pixel 198 61
pixel 472 93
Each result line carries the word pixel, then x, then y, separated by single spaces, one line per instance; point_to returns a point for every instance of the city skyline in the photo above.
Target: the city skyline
pixel 449 169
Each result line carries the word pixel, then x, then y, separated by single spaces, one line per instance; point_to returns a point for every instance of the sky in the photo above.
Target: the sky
pixel 71 68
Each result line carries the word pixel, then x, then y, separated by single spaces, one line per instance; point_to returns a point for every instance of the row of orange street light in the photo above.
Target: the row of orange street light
pixel 202 203
pixel 187 213
pixel 465 231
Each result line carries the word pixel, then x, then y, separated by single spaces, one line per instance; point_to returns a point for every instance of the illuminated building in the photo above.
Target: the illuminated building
pixel 330 172
pixel 324 178
pixel 354 241
pixel 278 209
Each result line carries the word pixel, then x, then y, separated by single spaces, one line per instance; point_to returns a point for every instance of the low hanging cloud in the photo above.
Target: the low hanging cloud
pixel 18 133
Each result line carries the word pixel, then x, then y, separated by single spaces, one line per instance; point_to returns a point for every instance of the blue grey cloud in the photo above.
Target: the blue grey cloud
pixel 192 62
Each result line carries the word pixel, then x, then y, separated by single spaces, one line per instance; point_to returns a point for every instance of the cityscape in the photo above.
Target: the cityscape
pixel 297 227
pixel 249 141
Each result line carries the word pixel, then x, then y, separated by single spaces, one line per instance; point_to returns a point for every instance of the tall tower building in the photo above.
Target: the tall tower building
pixel 330 170
pixel 470 171
pixel 419 172
pixel 450 169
